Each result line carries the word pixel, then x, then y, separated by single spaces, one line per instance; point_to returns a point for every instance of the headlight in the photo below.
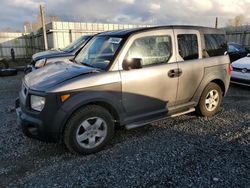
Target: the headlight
pixel 37 103
pixel 40 63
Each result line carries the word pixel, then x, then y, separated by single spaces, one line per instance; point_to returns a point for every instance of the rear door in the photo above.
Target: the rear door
pixel 152 88
pixel 190 63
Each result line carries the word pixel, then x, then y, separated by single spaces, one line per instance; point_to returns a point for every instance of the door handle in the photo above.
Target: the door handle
pixel 174 73
pixel 179 72
pixel 171 73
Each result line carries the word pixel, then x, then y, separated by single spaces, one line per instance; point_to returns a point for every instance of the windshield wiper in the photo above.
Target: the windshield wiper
pixel 88 65
pixel 73 60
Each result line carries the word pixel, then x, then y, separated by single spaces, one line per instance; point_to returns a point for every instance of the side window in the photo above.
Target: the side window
pixel 188 46
pixel 215 44
pixel 152 50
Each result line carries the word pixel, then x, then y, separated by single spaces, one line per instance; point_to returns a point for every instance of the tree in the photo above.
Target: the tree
pixel 53 18
pixel 27 26
pixel 237 21
pixel 37 24
pixel 6 29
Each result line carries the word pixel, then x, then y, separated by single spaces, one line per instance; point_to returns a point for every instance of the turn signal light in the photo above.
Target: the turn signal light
pixel 65 97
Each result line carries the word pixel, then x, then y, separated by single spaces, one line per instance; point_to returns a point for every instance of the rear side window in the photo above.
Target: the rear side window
pixel 215 44
pixel 152 50
pixel 188 46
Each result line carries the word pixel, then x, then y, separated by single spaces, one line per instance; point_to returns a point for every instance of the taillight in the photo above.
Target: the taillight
pixel 229 69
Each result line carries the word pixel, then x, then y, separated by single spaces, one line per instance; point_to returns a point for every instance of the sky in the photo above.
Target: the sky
pixel 157 12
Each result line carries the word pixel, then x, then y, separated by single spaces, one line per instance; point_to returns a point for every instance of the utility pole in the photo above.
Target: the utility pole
pixel 216 22
pixel 44 28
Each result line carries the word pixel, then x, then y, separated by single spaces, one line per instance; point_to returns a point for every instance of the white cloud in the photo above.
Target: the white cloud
pixel 29 4
pixel 202 5
pixel 195 12
pixel 127 1
pixel 154 6
pixel 231 6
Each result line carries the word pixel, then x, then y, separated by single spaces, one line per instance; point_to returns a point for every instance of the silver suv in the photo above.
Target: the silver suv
pixel 125 78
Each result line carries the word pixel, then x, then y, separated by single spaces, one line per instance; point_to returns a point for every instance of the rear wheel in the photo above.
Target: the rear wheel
pixel 210 100
pixel 89 130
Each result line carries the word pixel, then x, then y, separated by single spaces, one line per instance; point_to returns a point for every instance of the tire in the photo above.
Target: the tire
pixel 83 124
pixel 8 72
pixel 4 64
pixel 210 100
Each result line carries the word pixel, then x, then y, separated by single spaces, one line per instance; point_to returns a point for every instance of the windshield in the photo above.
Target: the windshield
pixel 232 48
pixel 99 52
pixel 77 43
pixel 236 48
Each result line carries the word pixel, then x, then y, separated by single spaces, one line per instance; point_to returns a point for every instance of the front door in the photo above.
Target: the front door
pixel 152 88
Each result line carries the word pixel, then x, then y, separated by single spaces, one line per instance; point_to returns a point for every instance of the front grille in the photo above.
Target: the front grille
pixel 24 90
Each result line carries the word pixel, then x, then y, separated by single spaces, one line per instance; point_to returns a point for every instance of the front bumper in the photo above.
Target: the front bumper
pixel 31 127
pixel 240 78
pixel 41 126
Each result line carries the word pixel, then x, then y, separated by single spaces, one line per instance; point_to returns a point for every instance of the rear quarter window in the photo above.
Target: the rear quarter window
pixel 215 44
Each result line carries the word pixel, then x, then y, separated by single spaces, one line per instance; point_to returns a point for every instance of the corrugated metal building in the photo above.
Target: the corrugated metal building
pixel 17 41
pixel 59 35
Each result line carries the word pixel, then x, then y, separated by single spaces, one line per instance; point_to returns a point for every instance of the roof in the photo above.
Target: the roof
pixel 127 32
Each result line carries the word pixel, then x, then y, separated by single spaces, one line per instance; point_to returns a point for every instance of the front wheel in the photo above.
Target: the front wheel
pixel 89 130
pixel 210 100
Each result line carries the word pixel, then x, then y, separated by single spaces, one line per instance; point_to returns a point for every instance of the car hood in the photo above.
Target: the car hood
pixel 54 74
pixel 49 54
pixel 243 63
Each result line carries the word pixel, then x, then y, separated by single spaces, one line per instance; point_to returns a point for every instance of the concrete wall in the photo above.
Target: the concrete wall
pixel 59 35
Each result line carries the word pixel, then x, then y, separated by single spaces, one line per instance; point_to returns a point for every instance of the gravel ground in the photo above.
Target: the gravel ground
pixel 186 151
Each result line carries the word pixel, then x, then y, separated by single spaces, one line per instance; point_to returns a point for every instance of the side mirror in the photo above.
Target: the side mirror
pixel 134 63
pixel 248 55
pixel 226 53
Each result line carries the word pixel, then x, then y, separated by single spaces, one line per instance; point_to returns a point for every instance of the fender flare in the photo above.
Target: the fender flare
pixel 81 99
pixel 216 77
